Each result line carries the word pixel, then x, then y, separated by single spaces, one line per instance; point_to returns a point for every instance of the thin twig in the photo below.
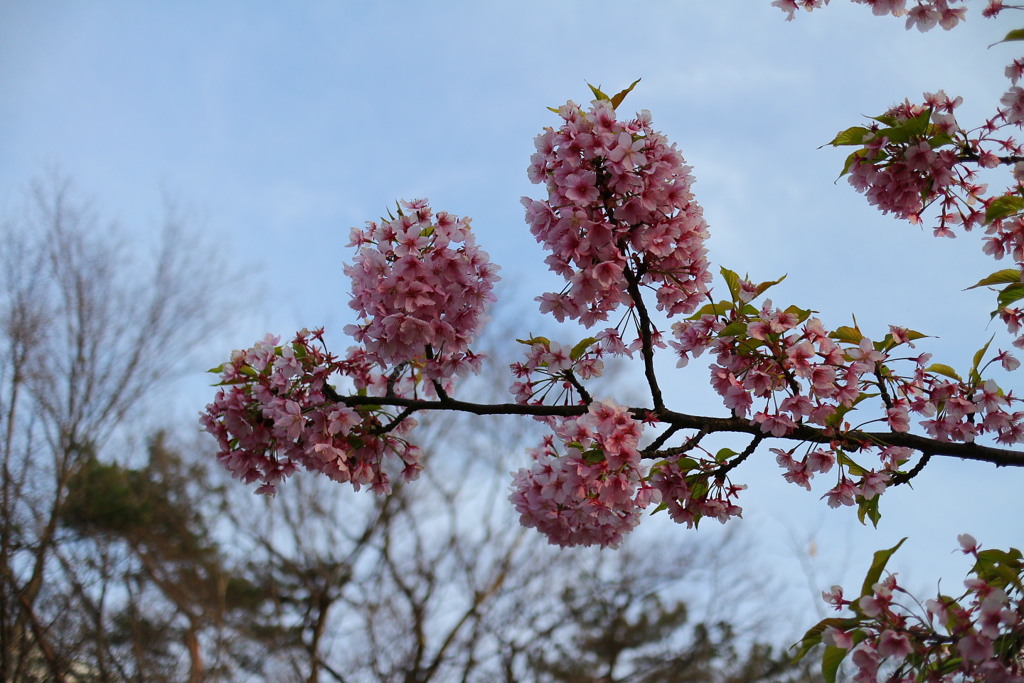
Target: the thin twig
pixel 738 460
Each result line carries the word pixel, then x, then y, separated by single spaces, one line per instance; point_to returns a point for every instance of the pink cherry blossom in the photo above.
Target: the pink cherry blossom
pixel 894 645
pixel 422 285
pixel 272 417
pixel 924 15
pixel 954 639
pixel 967 543
pixel 619 207
pixel 593 493
pixel 837 638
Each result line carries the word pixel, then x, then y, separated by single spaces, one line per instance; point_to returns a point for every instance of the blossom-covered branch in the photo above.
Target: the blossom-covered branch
pixel 976 636
pixel 622 225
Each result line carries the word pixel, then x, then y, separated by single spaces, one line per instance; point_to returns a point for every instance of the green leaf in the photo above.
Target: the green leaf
pixel 535 340
pixel 581 348
pixel 230 383
pixel 940 139
pixel 919 125
pixel 868 509
pixel 836 418
pixel 852 159
pixel 248 371
pixel 698 485
pixel 857 135
pixel 1000 568
pixel 813 635
pixel 1015 34
pixel 724 454
pixel 906 131
pixel 1010 294
pixel 1000 277
pixel 846 461
pixel 763 287
pixel 889 343
pixel 711 309
pixel 598 95
pixel 661 507
pixel 733 282
pixel 802 314
pixel 886 119
pixel 975 375
pixel 850 335
pixel 877 566
pixel 953 609
pixel 593 456
pixel 1004 206
pixel 621 95
pixel 945 370
pixel 830 662
pixel 686 464
pixel 734 329
pixel 217 370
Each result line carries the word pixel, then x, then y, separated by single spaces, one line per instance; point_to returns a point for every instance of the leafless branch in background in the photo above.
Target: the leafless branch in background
pixel 91 325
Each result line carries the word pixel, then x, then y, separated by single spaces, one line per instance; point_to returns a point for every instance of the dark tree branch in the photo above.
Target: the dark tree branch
pixel 661 440
pixel 882 389
pixel 854 440
pixel 971 155
pixel 646 336
pixel 677 450
pixel 738 460
pixel 571 378
pixel 384 429
pixel 916 470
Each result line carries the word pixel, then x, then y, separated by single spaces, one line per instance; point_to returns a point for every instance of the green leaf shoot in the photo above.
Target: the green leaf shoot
pixel 621 95
pixel 1000 277
pixel 830 662
pixel 944 370
pixel 856 135
pixel 581 348
pixel 881 557
pixel 1003 207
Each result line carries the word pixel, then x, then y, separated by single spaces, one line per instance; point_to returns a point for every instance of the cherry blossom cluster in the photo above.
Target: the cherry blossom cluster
pixel 915 157
pixel 619 214
pixel 787 369
pixel 856 484
pixel 620 223
pixel 923 15
pixel 977 636
pixel 551 367
pixel 805 373
pixel 694 488
pixel 593 492
pixel 422 285
pixel 274 415
pixel 912 156
pixel 1005 226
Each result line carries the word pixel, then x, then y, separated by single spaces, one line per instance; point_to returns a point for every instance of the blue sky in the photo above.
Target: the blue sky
pixel 281 125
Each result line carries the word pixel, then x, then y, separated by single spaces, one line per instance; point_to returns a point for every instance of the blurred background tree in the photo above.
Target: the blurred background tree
pixel 90 327
pixel 131 561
